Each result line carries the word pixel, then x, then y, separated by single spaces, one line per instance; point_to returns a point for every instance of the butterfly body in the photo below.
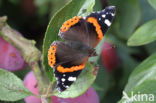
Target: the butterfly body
pixel 81 35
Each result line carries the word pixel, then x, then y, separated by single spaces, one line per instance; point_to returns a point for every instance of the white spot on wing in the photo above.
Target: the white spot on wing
pixel 103 15
pixel 112 14
pixel 99 18
pixel 72 78
pixel 67 86
pixel 64 75
pixel 63 79
pixel 107 22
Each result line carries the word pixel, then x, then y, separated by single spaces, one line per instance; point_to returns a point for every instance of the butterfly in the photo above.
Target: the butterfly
pixel 81 35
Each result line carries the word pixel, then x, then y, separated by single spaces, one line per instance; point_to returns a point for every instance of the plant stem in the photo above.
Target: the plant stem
pixel 27 48
pixel 49 100
pixel 49 89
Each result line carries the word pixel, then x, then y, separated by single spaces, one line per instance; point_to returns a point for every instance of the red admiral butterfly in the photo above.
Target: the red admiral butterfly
pixel 81 36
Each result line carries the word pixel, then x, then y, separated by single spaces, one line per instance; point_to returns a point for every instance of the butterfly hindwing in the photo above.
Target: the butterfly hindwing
pixel 67 64
pixel 64 80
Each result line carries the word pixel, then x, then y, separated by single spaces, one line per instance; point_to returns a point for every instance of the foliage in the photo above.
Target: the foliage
pixel 11 87
pixel 133 34
pixel 142 78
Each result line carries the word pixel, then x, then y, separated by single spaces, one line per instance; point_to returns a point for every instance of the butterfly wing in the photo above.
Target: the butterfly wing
pixel 102 20
pixel 88 31
pixel 64 80
pixel 75 32
pixel 67 64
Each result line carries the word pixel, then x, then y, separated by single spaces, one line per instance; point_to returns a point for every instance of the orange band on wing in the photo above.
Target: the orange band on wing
pixel 71 69
pixel 97 26
pixel 69 23
pixel 51 55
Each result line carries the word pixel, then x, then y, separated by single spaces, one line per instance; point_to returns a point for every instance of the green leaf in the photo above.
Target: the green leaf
pixel 86 8
pixel 129 17
pixel 67 12
pixel 142 80
pixel 146 9
pixel 11 87
pixel 144 34
pixel 84 81
pixel 152 3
